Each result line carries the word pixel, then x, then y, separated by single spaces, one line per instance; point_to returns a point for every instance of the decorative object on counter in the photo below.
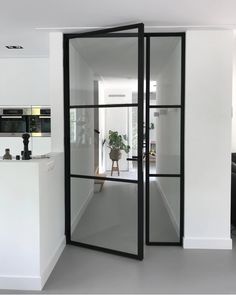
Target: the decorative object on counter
pixel 17 157
pixel 7 155
pixel 26 154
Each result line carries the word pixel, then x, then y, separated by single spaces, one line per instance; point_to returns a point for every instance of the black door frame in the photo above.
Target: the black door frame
pixel 142 36
pixel 181 106
pixel 110 32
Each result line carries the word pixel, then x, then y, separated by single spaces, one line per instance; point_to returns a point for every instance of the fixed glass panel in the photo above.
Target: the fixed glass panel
pixel 104 214
pixel 164 141
pixel 165 70
pixel 164 218
pixel 103 70
pixel 103 142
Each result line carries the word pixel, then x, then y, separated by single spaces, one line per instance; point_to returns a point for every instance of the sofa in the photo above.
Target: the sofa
pixel 233 190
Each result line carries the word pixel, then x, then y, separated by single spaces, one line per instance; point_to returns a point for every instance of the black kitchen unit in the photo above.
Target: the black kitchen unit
pixel 34 120
pixel 14 122
pixel 40 122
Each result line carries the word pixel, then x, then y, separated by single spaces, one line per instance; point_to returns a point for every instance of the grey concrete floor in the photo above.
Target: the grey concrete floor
pixel 164 270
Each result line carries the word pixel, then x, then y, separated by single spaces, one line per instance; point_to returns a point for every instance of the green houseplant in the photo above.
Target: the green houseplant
pixel 117 143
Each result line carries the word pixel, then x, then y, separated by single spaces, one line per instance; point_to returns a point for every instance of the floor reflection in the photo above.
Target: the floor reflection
pixel 162 227
pixel 110 218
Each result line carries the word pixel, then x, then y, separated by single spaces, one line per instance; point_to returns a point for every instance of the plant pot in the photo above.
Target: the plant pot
pixel 115 155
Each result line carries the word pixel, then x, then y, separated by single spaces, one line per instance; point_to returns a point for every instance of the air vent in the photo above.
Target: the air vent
pixel 14 47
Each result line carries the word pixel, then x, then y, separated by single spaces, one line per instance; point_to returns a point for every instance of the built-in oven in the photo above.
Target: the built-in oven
pixel 14 121
pixel 40 122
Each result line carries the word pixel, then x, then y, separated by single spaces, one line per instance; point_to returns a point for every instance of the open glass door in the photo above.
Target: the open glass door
pixel 103 85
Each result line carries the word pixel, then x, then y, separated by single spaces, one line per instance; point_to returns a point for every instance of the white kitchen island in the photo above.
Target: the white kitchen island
pixel 31 221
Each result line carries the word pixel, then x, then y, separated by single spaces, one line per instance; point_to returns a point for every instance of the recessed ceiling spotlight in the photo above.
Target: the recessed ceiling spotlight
pixel 14 47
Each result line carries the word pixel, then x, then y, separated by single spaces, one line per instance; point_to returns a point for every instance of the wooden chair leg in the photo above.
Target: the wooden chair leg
pixel 112 165
pixel 117 163
pixel 115 168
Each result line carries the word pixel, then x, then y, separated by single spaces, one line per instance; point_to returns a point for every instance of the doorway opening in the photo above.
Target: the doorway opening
pixel 124 135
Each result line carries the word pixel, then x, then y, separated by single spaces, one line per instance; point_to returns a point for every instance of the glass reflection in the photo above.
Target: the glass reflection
pixel 104 214
pixel 164 209
pixel 165 70
pixel 164 141
pixel 111 61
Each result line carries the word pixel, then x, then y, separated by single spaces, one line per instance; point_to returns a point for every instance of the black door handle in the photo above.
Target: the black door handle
pixel 134 158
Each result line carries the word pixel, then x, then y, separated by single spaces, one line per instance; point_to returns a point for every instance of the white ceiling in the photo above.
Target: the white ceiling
pixel 111 58
pixel 20 20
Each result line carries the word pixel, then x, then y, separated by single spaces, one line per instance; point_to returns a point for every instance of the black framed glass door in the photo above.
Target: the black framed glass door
pixel 104 76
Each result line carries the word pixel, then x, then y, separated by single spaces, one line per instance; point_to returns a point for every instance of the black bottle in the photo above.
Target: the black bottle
pixel 26 153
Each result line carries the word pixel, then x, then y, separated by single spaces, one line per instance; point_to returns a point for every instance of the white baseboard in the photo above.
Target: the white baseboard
pixel 168 208
pixel 52 262
pixel 207 243
pixel 32 283
pixel 81 211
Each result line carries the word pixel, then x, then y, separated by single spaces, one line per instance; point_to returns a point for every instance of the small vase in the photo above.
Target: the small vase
pixel 115 155
pixel 7 155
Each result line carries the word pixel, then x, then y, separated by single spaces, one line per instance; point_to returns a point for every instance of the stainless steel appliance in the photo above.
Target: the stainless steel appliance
pixel 40 122
pixel 14 121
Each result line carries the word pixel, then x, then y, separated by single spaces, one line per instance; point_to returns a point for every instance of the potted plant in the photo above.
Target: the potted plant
pixel 117 143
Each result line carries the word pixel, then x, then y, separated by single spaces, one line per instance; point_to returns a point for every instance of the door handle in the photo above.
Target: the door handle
pixel 134 158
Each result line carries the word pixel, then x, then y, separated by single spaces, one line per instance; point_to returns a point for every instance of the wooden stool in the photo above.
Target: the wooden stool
pixel 115 168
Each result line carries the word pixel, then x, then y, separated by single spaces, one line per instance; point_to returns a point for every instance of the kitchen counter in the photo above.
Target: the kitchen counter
pixel 31 220
pixel 34 160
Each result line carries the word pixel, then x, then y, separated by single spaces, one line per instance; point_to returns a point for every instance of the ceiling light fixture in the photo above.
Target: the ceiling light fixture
pixel 14 47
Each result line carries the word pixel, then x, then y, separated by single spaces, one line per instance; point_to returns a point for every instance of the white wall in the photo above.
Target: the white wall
pixel 208 139
pixel 24 81
pixel 234 100
pixel 51 213
pixel 82 149
pixel 56 88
